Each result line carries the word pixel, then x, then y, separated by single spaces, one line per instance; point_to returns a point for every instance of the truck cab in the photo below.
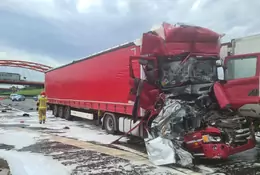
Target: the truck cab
pixel 209 125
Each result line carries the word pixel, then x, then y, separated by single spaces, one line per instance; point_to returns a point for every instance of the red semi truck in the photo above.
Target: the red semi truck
pixel 135 83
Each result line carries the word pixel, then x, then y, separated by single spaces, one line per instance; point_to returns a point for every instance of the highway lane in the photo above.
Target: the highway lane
pixel 28 105
pixel 79 146
pixel 240 164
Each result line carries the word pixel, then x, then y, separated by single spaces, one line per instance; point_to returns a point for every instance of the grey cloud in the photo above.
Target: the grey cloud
pixel 34 35
pixel 70 35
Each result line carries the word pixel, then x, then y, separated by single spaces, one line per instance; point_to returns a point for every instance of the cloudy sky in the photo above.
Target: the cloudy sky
pixel 56 32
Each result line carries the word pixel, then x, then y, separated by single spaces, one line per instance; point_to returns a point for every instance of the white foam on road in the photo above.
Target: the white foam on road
pixel 85 132
pixel 24 163
pixel 18 139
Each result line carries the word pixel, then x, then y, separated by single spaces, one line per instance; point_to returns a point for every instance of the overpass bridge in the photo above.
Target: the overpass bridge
pixel 27 65
pixel 32 83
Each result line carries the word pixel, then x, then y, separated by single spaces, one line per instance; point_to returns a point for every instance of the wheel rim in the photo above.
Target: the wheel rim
pixel 110 123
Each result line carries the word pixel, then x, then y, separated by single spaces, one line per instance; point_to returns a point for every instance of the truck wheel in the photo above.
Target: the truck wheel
pixel 109 124
pixel 60 112
pixel 67 113
pixel 55 110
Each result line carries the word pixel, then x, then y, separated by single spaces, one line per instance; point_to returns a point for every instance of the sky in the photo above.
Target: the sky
pixel 56 32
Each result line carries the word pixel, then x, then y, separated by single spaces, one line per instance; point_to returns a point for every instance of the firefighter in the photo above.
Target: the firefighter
pixel 42 107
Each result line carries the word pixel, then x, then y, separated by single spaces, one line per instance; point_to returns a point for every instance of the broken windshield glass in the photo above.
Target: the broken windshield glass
pixel 194 71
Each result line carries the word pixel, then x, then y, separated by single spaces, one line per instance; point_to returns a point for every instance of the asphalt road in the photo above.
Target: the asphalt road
pixel 240 164
pixel 28 105
pixel 82 157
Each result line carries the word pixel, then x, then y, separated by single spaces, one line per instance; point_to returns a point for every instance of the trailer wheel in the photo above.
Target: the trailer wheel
pixel 55 110
pixel 60 112
pixel 67 113
pixel 109 124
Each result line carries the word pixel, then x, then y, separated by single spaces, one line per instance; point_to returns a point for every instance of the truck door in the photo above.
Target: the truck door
pixel 242 86
pixel 143 89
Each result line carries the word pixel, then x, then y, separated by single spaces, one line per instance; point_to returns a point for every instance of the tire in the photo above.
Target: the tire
pixel 109 124
pixel 67 113
pixel 55 110
pixel 60 112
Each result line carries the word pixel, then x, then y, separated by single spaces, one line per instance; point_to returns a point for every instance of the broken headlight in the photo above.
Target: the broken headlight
pixel 210 138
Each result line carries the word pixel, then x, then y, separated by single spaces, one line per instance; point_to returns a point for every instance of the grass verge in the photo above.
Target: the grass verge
pixel 25 92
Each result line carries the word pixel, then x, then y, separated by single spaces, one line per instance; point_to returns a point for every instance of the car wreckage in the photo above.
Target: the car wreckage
pixel 192 115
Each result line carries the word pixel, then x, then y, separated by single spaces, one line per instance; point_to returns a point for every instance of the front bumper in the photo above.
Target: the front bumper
pixel 223 151
pixel 244 140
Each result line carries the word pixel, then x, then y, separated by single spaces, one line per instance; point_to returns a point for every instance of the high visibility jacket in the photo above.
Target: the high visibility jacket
pixel 42 102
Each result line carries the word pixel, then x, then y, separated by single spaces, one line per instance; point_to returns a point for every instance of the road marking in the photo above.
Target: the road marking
pixel 93 147
pixel 102 149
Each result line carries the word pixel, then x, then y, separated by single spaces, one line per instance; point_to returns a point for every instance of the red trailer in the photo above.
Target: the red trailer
pixel 98 82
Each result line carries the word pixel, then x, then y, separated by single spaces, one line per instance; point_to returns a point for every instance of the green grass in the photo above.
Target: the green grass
pixel 30 92
pixel 5 93
pixel 25 92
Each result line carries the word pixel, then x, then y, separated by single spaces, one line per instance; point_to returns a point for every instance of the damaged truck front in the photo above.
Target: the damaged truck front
pixel 187 111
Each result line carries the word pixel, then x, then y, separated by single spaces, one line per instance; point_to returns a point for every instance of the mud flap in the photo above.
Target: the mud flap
pixel 137 100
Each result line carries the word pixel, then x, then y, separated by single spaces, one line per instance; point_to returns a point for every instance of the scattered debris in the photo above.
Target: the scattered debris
pixel 176 125
pixel 26 115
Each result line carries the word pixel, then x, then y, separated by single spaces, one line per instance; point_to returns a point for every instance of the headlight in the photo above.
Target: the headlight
pixel 209 138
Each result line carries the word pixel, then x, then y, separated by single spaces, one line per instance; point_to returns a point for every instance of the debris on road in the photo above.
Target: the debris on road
pixel 26 157
pixel 26 115
pixel 82 133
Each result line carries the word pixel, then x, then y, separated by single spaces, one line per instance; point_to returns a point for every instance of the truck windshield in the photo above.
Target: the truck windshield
pixel 240 68
pixel 194 71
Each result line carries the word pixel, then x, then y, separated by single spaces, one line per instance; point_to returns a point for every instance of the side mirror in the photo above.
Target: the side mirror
pixel 220 72
pixel 219 63
pixel 143 62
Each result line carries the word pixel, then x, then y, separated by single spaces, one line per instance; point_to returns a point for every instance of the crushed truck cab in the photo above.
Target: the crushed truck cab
pixel 197 112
